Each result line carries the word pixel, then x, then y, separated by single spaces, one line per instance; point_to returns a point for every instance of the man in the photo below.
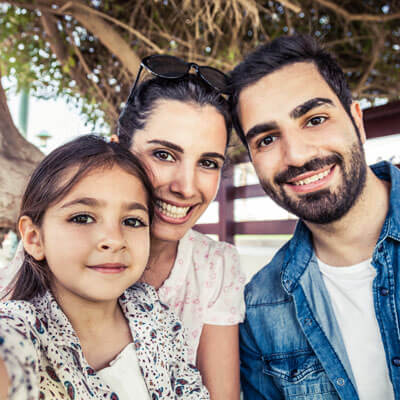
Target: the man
pixel 322 317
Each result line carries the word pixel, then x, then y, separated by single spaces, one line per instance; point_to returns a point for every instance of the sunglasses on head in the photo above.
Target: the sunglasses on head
pixel 170 67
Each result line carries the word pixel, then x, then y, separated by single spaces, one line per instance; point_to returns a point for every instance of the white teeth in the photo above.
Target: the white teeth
pixel 311 179
pixel 172 211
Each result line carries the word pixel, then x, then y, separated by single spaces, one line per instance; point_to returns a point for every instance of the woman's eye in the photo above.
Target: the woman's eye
pixel 314 121
pixel 266 141
pixel 209 164
pixel 133 222
pixel 163 155
pixel 82 219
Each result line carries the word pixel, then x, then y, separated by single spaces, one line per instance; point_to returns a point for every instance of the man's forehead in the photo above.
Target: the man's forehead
pixel 284 89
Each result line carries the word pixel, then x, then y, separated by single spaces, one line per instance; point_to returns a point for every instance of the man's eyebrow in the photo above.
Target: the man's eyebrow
pixel 260 128
pixel 166 143
pixel 304 108
pixel 214 155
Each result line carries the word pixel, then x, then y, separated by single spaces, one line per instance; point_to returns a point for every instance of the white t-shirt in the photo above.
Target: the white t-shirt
pixel 205 286
pixel 124 377
pixel 350 291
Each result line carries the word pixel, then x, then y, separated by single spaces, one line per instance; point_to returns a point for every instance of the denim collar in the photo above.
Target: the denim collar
pixel 300 248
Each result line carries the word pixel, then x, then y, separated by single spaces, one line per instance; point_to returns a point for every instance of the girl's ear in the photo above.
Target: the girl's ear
pixel 31 238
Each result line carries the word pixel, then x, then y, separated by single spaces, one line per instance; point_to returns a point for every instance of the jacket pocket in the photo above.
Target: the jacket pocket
pixel 300 376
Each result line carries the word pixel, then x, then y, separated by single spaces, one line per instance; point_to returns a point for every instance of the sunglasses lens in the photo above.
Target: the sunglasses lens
pixel 215 78
pixel 167 66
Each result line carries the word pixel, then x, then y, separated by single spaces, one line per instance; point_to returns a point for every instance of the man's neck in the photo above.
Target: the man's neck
pixel 352 239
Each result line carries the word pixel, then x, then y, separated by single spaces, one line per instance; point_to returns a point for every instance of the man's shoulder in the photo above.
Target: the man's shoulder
pixel 266 286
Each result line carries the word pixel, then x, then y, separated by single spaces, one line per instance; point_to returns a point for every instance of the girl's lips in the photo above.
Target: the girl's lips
pixel 312 186
pixel 109 268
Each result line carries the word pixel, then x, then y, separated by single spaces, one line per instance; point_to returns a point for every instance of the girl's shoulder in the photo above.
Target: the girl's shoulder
pixel 18 309
pixel 142 305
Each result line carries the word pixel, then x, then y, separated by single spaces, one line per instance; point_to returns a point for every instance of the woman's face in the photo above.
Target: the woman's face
pixel 183 145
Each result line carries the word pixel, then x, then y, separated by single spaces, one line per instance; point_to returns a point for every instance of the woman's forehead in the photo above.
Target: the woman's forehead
pixel 184 123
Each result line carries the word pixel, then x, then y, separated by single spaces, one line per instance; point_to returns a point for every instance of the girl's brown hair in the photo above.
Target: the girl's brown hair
pixel 47 186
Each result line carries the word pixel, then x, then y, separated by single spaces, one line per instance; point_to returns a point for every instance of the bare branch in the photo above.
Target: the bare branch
pixel 357 17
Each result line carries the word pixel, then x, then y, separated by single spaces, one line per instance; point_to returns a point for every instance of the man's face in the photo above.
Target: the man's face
pixel 306 150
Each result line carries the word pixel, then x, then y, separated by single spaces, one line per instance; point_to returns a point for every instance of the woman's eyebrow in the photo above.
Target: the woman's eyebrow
pixel 168 144
pixel 214 155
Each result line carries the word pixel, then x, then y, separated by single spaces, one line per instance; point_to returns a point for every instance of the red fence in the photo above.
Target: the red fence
pixel 379 121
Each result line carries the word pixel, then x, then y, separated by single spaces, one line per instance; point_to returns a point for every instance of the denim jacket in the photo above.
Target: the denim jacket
pixel 290 342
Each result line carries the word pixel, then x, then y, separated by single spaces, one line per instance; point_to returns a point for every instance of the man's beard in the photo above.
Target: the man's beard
pixel 323 206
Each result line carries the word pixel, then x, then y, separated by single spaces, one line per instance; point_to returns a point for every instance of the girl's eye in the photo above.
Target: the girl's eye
pixel 266 141
pixel 209 164
pixel 163 155
pixel 82 219
pixel 133 222
pixel 314 121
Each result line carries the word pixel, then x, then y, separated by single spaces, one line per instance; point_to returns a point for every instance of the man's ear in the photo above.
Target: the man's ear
pixel 357 115
pixel 31 238
pixel 114 138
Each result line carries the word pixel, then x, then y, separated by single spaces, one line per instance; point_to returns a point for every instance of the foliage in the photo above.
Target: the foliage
pixel 363 34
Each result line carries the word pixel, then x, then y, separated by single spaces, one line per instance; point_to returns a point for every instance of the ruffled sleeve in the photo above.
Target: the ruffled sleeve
pixel 226 286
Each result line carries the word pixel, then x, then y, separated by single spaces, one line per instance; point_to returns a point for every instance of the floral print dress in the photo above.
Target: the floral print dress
pixel 44 358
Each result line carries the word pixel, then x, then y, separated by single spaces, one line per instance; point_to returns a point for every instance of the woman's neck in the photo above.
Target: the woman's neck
pixel 161 261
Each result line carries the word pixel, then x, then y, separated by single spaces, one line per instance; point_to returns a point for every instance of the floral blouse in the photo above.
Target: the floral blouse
pixel 44 358
pixel 205 286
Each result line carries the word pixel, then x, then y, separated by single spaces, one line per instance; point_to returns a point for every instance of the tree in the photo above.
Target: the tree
pixel 89 50
pixel 18 158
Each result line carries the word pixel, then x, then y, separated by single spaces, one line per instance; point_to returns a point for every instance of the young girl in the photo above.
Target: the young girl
pixel 76 327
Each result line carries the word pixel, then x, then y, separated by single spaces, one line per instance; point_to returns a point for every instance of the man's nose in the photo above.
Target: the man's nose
pixel 297 149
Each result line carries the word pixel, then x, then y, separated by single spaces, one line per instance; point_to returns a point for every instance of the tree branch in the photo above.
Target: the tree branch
pixel 357 17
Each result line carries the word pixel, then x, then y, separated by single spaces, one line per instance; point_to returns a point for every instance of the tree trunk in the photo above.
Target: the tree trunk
pixel 18 158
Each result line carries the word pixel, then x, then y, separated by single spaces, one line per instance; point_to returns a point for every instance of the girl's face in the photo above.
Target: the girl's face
pixel 96 239
pixel 183 145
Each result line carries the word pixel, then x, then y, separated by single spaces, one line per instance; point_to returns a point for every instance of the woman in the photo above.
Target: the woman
pixel 179 125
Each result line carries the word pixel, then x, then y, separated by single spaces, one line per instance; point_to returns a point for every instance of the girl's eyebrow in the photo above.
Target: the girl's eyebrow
pixel 85 201
pixel 91 202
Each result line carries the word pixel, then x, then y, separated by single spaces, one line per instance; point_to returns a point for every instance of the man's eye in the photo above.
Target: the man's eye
pixel 163 155
pixel 82 219
pixel 266 141
pixel 209 164
pixel 133 222
pixel 314 121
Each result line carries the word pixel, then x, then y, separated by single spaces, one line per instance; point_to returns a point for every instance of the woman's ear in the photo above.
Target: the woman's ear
pixel 114 138
pixel 31 238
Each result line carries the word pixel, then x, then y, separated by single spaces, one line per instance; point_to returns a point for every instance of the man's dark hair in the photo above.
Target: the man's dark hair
pixel 284 51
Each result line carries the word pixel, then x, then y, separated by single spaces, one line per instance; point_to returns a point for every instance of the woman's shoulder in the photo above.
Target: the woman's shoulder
pixel 201 242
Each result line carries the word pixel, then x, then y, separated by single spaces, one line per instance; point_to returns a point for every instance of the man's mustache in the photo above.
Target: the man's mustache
pixel 312 165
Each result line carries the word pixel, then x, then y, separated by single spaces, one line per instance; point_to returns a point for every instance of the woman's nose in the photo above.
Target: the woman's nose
pixel 184 182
